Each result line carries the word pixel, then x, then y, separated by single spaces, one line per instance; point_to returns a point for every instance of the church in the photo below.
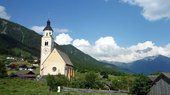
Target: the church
pixel 53 61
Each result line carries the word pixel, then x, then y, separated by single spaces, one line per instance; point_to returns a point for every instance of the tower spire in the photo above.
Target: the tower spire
pixel 48 22
pixel 48 26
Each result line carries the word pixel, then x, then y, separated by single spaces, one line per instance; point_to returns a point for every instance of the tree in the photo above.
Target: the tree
pixel 51 83
pixel 3 72
pixel 104 74
pixel 54 81
pixel 61 80
pixel 140 85
pixel 90 80
pixel 115 85
pixel 78 81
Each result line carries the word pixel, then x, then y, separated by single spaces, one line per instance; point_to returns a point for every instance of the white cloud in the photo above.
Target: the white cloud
pixel 152 9
pixel 82 44
pixel 38 29
pixel 167 49
pixel 142 50
pixel 3 13
pixel 63 39
pixel 106 48
pixel 106 43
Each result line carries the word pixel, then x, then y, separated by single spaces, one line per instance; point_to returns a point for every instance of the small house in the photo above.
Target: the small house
pixel 160 85
pixel 25 74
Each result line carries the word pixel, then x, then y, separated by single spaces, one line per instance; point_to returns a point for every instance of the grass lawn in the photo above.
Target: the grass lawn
pixel 30 87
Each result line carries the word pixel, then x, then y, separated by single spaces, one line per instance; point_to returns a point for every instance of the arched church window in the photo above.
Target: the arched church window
pixel 54 69
pixel 46 34
pixel 46 43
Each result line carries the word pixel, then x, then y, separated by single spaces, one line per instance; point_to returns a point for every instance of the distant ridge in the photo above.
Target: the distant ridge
pixel 148 65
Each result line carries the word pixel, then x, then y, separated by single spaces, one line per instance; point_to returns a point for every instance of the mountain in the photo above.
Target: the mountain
pixel 17 40
pixel 120 65
pixel 149 65
pixel 10 46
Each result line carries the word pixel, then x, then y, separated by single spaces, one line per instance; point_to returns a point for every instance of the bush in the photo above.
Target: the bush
pixel 104 75
pixel 61 80
pixel 140 86
pixel 87 80
pixel 78 81
pixel 90 79
pixel 54 81
pixel 51 83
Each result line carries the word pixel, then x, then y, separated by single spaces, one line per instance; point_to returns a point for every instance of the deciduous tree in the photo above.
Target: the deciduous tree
pixel 140 86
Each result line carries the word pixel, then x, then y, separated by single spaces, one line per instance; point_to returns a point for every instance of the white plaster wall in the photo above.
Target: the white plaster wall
pixel 54 60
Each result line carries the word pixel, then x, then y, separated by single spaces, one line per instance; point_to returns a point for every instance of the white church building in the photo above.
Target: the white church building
pixel 53 61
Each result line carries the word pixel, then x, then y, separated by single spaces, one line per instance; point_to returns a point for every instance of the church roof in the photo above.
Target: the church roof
pixel 65 58
pixel 48 27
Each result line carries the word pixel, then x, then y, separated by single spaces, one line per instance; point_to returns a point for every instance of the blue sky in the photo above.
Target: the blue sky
pixel 83 22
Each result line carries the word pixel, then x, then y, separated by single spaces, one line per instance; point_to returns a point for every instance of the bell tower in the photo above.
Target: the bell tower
pixel 47 44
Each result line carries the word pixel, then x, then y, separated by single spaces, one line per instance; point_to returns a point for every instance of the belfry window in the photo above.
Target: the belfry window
pixel 46 34
pixel 46 43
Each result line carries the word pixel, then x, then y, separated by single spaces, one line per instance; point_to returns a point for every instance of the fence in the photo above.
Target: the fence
pixel 91 90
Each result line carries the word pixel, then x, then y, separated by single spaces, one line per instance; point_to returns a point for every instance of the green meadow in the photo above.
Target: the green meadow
pixel 32 87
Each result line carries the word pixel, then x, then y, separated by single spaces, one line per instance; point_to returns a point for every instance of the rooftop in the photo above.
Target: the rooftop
pixel 48 27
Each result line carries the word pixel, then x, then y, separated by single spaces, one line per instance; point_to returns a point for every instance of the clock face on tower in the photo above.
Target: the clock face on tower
pixel 45 50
